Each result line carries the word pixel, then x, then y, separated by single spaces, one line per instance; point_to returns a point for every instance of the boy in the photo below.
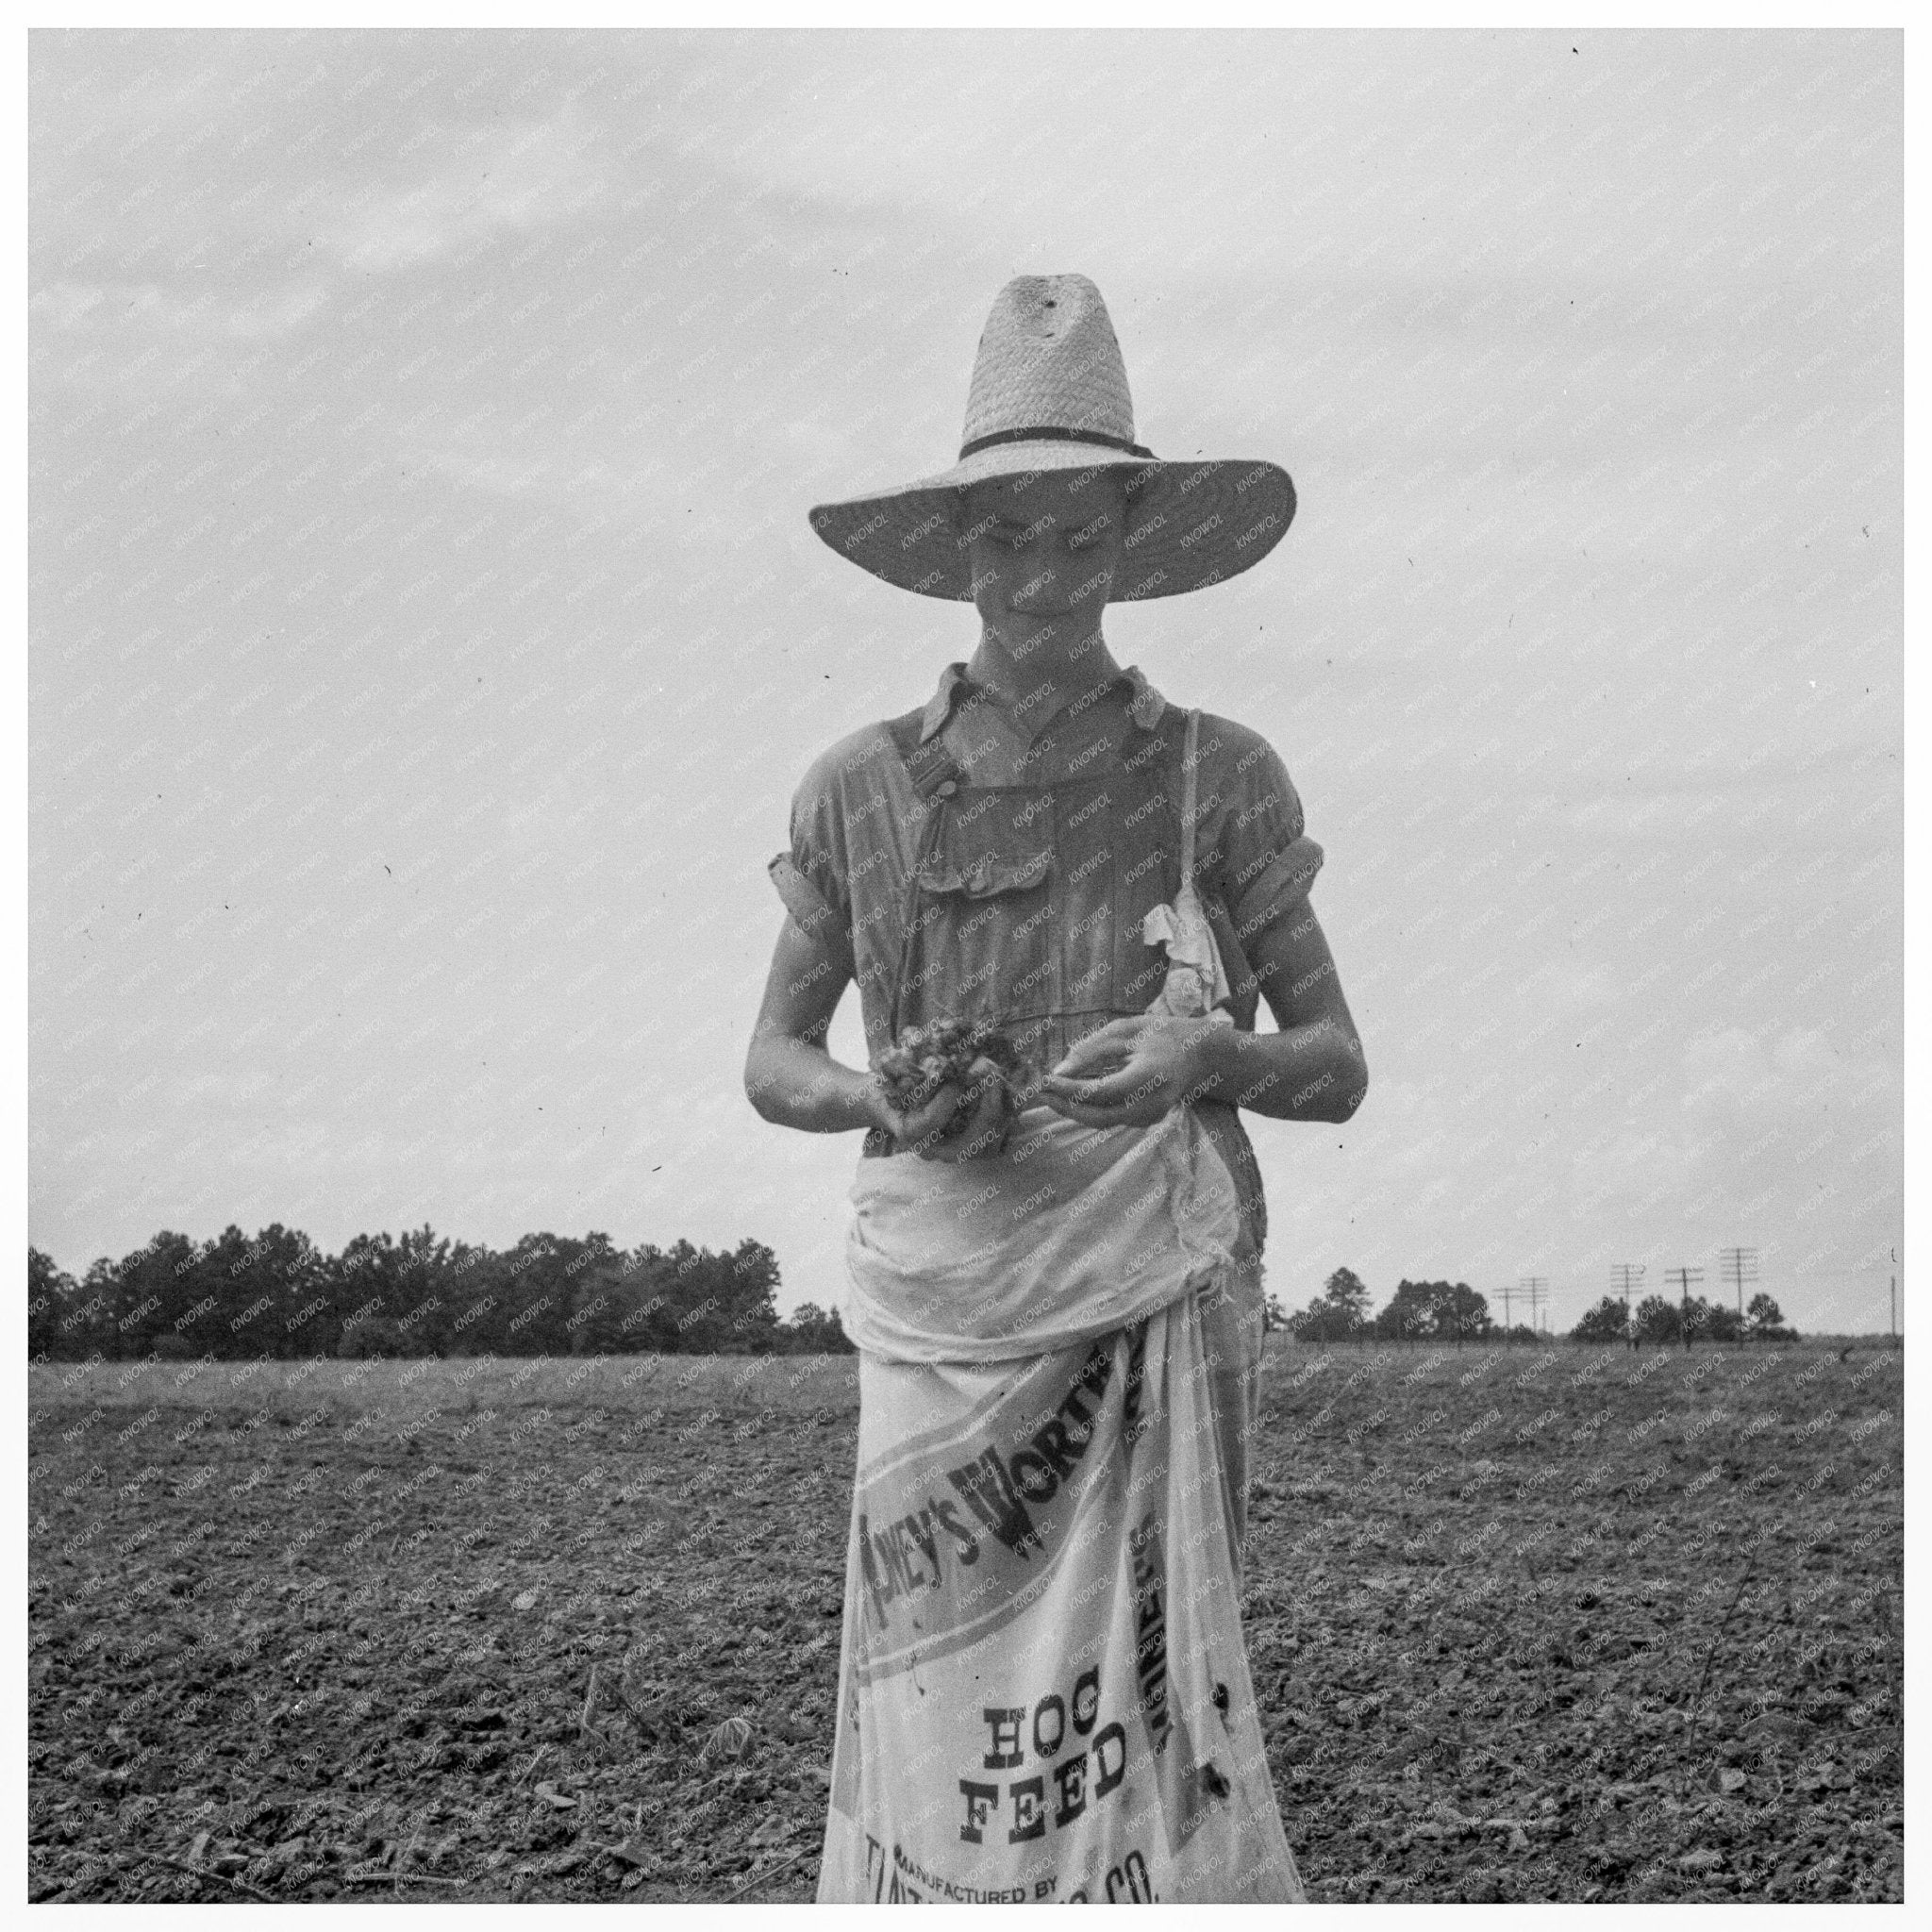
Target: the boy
pixel 1058 1310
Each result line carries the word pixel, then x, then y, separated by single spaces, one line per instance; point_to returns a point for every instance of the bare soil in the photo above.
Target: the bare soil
pixel 1555 1624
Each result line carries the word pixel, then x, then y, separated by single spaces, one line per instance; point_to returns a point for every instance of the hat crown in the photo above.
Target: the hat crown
pixel 1048 359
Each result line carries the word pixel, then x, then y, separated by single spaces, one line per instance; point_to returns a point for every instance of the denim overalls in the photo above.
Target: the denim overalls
pixel 1024 909
pixel 1024 905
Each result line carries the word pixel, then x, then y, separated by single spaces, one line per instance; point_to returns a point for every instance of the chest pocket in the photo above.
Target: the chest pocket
pixel 978 941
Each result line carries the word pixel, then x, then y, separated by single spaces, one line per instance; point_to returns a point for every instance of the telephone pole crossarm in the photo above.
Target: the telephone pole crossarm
pixel 1684 1277
pixel 1533 1287
pixel 1738 1265
pixel 1630 1276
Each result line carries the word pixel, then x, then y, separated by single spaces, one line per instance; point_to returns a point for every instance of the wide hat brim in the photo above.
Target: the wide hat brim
pixel 1189 525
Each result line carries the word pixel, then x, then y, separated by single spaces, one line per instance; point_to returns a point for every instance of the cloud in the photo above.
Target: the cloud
pixel 1639 1167
pixel 513 178
pixel 1588 986
pixel 1763 1116
pixel 500 476
pixel 1791 1079
pixel 588 485
pixel 134 307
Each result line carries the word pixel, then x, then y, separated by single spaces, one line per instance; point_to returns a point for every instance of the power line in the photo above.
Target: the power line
pixel 1738 1265
pixel 1533 1287
pixel 1629 1274
pixel 1507 1291
pixel 1685 1276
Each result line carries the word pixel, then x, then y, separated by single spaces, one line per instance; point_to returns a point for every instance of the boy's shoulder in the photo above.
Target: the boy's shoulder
pixel 1234 751
pixel 1252 811
pixel 852 761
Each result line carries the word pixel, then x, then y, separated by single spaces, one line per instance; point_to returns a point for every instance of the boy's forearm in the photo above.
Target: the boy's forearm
pixel 1310 1072
pixel 794 1083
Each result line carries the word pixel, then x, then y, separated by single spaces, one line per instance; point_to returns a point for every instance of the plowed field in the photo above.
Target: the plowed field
pixel 1556 1624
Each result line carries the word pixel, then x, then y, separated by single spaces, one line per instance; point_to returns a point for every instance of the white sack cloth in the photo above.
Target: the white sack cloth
pixel 1068 1232
pixel 1197 981
pixel 1044 1689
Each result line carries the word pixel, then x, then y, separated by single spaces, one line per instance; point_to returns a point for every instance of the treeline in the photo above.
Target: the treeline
pixel 1658 1319
pixel 278 1296
pixel 1452 1311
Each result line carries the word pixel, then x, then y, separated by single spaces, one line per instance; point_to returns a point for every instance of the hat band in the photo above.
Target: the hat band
pixel 1052 433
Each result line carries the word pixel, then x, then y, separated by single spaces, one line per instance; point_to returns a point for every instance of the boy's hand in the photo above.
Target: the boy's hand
pixel 984 1132
pixel 1131 1072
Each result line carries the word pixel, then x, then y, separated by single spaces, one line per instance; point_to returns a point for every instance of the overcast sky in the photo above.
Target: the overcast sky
pixel 426 634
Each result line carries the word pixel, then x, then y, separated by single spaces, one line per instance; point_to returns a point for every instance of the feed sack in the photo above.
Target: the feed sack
pixel 1044 1689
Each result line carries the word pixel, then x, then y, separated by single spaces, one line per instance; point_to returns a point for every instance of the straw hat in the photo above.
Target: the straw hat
pixel 1050 392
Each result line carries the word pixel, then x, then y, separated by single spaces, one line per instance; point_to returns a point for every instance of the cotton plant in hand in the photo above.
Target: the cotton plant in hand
pixel 926 1057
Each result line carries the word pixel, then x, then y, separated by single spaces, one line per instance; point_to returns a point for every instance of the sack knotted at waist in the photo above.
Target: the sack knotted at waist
pixel 1069 1232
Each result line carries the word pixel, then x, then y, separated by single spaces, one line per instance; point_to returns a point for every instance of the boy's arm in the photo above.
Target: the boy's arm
pixel 788 1076
pixel 1131 1070
pixel 793 1082
pixel 1313 1068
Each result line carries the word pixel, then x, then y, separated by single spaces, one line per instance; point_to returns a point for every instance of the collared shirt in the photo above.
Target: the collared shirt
pixel 997 743
pixel 854 819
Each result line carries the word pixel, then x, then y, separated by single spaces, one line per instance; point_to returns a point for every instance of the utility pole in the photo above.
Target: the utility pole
pixel 1629 1274
pixel 1683 1276
pixel 1534 1287
pixel 1740 1265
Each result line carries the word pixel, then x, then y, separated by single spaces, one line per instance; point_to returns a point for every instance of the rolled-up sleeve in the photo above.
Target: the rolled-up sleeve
pixel 1267 860
pixel 811 876
pixel 802 899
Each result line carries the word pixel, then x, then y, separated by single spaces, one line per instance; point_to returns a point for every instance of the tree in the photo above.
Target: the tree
pixel 51 1295
pixel 1346 1295
pixel 89 1327
pixel 1606 1322
pixel 1434 1310
pixel 278 1285
pixel 1704 1320
pixel 278 1296
pixel 1274 1315
pixel 159 1291
pixel 813 1330
pixel 1724 1325
pixel 645 1302
pixel 365 1283
pixel 1693 1318
pixel 750 1293
pixel 1320 1320
pixel 1658 1321
pixel 371 1335
pixel 1410 1313
pixel 1336 1314
pixel 537 1289
pixel 605 1317
pixel 1764 1321
pixel 1466 1314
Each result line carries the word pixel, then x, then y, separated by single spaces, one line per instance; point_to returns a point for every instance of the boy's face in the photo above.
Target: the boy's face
pixel 1045 549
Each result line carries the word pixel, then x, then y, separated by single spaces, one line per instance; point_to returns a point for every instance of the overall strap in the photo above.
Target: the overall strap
pixel 930 766
pixel 935 777
pixel 1243 985
pixel 1188 768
